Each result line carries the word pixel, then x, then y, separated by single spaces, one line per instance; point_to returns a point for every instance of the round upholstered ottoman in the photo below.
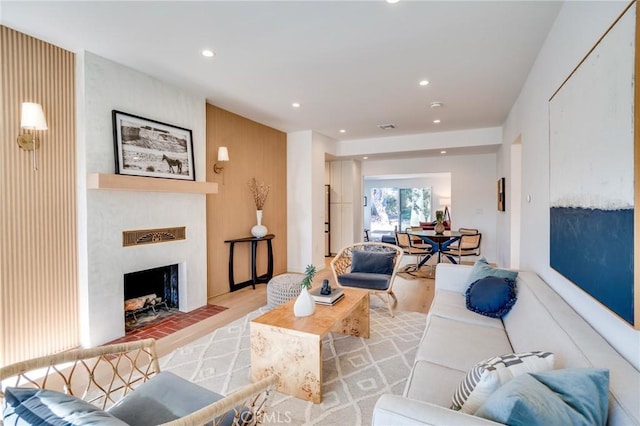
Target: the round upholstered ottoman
pixel 282 288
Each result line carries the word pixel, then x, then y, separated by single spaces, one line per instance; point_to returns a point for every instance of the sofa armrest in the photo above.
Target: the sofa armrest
pixel 452 277
pixel 399 411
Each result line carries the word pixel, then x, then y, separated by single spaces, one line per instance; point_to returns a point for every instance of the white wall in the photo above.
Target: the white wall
pixel 103 215
pixel 473 189
pixel 305 198
pixel 514 201
pixel 299 200
pixel 578 26
pixel 409 143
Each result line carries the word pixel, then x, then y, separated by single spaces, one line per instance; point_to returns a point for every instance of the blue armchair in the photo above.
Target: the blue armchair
pixel 371 266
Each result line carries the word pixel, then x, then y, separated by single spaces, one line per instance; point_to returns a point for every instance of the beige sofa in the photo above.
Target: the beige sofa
pixel 455 339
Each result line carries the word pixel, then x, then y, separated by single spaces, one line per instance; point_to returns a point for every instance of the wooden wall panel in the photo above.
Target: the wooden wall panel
pixel 256 151
pixel 38 247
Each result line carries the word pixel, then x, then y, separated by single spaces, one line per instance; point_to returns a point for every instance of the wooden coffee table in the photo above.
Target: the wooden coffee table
pixel 291 347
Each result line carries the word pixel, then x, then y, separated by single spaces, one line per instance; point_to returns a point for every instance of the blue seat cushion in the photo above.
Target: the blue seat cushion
pixel 373 262
pixel 365 280
pixel 30 406
pixel 163 398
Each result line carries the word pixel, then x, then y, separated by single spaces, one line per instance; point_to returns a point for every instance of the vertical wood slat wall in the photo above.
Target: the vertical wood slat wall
pixel 258 151
pixel 38 244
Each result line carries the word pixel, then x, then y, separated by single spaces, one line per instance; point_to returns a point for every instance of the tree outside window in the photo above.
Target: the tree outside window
pixel 398 208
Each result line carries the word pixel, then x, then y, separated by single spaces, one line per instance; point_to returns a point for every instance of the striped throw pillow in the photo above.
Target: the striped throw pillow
pixel 487 376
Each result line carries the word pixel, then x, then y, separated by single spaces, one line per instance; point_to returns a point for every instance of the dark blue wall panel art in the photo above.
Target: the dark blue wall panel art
pixel 591 153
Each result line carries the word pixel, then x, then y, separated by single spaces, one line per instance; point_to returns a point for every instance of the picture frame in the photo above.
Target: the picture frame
pixel 501 195
pixel 146 147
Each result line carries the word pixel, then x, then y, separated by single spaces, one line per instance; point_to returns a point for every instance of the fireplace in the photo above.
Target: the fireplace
pixel 150 295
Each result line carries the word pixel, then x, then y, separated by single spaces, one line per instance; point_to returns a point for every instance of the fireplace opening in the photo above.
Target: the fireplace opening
pixel 150 295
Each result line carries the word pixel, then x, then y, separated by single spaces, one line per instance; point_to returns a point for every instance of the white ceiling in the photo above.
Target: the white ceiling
pixel 352 65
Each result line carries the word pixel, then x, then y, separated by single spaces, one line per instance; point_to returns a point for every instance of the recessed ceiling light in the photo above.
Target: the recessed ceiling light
pixel 424 82
pixel 208 53
pixel 365 158
pixel 443 152
pixel 436 121
pixel 392 1
pixel 436 104
pixel 342 131
pixel 295 105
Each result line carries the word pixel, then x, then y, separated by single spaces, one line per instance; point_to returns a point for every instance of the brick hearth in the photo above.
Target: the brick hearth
pixel 171 324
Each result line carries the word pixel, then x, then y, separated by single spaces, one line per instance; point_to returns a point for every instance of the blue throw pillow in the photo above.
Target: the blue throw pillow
pixel 373 262
pixel 30 406
pixel 577 396
pixel 482 269
pixel 491 296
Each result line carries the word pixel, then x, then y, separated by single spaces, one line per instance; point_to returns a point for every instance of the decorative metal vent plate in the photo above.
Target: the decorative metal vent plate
pixel 151 236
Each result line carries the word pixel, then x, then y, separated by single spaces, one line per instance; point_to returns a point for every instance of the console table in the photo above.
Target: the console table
pixel 255 279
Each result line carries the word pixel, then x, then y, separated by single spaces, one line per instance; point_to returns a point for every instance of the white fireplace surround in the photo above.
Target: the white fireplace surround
pixel 103 214
pixel 102 308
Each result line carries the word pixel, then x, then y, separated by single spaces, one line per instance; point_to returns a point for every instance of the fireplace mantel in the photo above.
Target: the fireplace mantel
pixel 140 183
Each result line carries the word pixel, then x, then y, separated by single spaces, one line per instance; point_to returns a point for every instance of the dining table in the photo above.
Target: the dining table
pixel 438 242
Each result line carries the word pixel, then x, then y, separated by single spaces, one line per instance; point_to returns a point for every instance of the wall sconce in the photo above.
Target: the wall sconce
pixel 223 155
pixel 32 119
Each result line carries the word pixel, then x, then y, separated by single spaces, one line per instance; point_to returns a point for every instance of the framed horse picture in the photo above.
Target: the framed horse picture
pixel 145 147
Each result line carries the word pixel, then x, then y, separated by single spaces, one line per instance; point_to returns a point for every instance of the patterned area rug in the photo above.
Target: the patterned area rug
pixel 356 371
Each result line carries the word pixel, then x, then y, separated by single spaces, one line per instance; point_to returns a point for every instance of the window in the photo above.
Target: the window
pixel 398 208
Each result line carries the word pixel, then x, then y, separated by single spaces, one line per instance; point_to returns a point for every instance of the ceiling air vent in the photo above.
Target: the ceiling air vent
pixel 387 126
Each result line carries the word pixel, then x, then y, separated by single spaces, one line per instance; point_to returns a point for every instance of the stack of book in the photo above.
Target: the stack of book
pixel 329 299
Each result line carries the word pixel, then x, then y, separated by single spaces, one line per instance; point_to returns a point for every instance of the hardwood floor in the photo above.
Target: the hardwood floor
pixel 413 295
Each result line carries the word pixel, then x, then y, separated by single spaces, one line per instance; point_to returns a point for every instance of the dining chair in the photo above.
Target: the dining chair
pixel 467 230
pixel 470 231
pixel 417 241
pixel 408 246
pixel 467 245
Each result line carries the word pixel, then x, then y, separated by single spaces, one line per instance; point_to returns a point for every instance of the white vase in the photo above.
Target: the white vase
pixel 304 305
pixel 259 230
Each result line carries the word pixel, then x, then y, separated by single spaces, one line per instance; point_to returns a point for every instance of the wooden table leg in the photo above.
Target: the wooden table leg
pixel 294 357
pixel 357 322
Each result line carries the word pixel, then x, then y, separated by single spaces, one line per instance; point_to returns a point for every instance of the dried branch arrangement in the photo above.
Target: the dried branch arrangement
pixel 260 192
